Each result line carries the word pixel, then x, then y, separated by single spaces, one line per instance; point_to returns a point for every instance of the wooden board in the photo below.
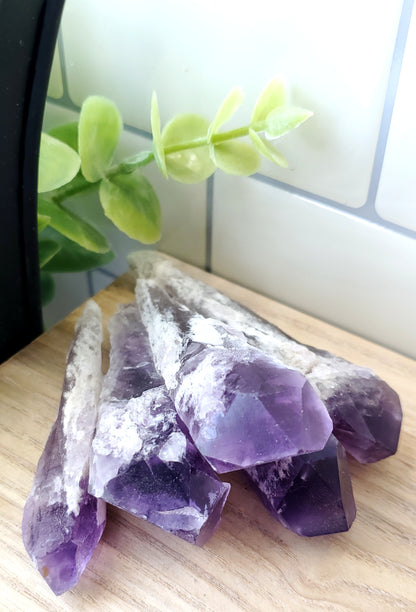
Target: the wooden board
pixel 252 562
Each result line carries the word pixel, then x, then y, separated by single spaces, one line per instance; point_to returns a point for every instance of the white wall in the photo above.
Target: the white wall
pixel 335 234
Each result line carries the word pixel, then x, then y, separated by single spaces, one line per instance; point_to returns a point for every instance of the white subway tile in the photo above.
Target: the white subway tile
pixel 396 199
pixel 328 263
pixel 336 56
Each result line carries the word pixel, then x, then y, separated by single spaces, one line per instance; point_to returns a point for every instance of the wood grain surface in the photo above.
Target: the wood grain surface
pixel 252 562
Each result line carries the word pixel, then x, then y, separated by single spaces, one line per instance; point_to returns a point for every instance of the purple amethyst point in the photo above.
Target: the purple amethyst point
pixel 367 417
pixel 310 494
pixel 62 522
pixel 60 543
pixel 240 406
pixel 142 461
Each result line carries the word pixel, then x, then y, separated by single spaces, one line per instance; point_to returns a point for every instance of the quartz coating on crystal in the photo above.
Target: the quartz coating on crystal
pixel 240 406
pixel 309 494
pixel 141 460
pixel 365 411
pixel 62 522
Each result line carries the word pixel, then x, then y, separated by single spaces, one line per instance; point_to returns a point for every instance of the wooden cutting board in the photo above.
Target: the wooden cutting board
pixel 252 562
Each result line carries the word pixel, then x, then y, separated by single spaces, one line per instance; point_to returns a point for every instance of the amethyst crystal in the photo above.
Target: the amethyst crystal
pixel 310 494
pixel 241 407
pixel 62 522
pixel 365 411
pixel 141 460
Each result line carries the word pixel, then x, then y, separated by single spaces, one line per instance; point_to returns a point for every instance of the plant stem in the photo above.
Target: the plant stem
pixel 79 184
pixel 130 164
pixel 203 141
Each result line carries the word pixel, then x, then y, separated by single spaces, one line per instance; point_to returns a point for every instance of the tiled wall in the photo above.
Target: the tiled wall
pixel 335 234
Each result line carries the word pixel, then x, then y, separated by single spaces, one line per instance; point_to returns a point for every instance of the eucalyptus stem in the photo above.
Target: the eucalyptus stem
pixel 215 139
pixel 79 184
pixel 130 164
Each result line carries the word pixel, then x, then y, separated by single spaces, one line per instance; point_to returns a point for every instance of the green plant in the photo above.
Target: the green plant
pixel 77 157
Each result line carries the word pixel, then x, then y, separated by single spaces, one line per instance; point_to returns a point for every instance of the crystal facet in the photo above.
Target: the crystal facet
pixel 241 407
pixel 365 411
pixel 309 494
pixel 141 460
pixel 62 522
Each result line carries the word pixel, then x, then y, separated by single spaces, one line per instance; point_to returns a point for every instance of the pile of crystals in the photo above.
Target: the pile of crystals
pixel 198 386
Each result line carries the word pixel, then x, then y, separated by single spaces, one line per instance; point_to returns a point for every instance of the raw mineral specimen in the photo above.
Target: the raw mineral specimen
pixel 141 460
pixel 310 494
pixel 62 522
pixel 240 406
pixel 366 412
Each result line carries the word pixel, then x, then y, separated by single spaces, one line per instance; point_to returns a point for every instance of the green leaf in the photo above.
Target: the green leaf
pixel 131 203
pixel 67 133
pixel 264 147
pixel 284 119
pixel 237 158
pixel 47 250
pixel 47 287
pixel 43 221
pixel 73 258
pixel 99 130
pixel 272 96
pixel 233 101
pixel 58 164
pixel 157 137
pixel 189 165
pixel 73 227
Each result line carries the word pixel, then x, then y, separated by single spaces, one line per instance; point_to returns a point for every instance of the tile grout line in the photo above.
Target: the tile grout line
pixel 356 213
pixel 90 283
pixel 388 107
pixel 65 100
pixel 106 272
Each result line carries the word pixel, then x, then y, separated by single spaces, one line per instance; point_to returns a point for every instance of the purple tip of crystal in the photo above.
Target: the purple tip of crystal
pixel 60 543
pixel 367 418
pixel 62 523
pixel 183 497
pixel 310 494
pixel 269 412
